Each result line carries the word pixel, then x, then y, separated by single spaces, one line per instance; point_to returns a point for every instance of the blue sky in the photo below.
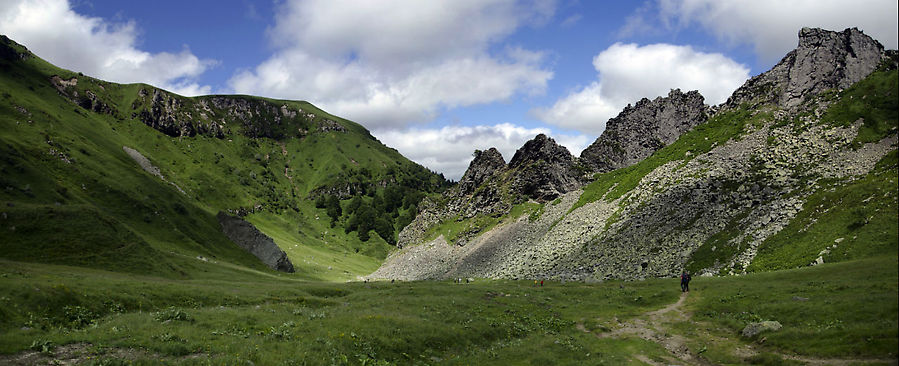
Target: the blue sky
pixel 438 79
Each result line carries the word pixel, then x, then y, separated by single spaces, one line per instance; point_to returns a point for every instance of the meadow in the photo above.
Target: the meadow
pixel 843 312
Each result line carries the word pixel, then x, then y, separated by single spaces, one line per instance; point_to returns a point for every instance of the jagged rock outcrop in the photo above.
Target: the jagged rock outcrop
pixel 248 237
pixel 485 165
pixel 641 129
pixel 823 60
pixel 544 169
pixel 478 192
pixel 87 99
pixel 710 208
pixel 165 114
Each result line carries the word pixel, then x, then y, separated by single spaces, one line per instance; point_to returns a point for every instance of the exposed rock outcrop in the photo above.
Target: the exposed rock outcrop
pixel 544 169
pixel 823 60
pixel 485 165
pixel 641 129
pixel 248 237
pixel 478 192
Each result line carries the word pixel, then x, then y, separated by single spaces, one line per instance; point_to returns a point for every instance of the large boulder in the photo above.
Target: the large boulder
pixel 248 237
pixel 639 130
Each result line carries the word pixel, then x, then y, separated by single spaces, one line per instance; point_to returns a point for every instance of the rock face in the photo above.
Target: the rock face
pixel 708 210
pixel 544 169
pixel 478 192
pixel 485 165
pixel 641 129
pixel 248 237
pixel 823 60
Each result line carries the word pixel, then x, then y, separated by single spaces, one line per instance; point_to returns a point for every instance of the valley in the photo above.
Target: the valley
pixel 138 226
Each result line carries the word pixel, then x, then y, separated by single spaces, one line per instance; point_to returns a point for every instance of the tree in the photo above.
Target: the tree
pixel 333 208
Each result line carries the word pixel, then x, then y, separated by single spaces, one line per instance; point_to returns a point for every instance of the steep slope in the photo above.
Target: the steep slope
pixel 787 173
pixel 131 177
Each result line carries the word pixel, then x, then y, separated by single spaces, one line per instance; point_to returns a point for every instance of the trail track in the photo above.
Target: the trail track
pixel 654 326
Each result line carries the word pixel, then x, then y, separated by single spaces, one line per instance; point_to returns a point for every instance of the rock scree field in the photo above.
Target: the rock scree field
pixel 140 227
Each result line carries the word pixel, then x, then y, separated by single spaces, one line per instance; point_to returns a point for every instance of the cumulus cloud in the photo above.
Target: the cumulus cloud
pixel 449 149
pixel 53 31
pixel 770 26
pixel 391 63
pixel 628 72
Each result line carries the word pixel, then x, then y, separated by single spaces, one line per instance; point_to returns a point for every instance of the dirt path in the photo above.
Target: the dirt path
pixel 653 327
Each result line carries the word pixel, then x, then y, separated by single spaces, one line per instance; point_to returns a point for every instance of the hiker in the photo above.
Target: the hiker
pixel 685 282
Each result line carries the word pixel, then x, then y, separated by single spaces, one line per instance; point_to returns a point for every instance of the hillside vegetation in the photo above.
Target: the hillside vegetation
pixel 70 193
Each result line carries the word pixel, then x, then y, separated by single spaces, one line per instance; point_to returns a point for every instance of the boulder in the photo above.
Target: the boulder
pixel 248 237
pixel 754 329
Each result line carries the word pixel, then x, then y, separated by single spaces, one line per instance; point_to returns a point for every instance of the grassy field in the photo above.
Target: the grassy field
pixel 845 311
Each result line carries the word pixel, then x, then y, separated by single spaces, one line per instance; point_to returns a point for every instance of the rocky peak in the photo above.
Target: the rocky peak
pixel 539 148
pixel 641 129
pixel 823 60
pixel 485 164
pixel 544 169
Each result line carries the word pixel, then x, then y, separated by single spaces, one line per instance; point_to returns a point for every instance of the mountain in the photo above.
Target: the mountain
pixel 132 177
pixel 797 168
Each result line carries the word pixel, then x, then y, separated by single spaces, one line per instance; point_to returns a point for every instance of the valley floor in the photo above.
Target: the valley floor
pixel 833 314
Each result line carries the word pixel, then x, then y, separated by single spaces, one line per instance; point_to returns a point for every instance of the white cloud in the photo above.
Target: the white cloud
pixel 628 72
pixel 53 31
pixel 388 64
pixel 448 149
pixel 771 25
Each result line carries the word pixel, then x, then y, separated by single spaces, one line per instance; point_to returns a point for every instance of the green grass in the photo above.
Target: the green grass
pixel 452 228
pixel 859 217
pixel 74 196
pixel 275 320
pixel 875 100
pixel 843 310
pixel 229 318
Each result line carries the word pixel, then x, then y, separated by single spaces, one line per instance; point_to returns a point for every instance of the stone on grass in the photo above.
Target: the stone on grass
pixel 753 329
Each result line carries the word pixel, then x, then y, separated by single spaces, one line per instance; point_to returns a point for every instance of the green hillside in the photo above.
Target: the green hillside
pixel 70 193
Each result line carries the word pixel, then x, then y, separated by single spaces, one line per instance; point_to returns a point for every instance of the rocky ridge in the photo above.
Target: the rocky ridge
pixel 823 60
pixel 540 170
pixel 642 129
pixel 753 185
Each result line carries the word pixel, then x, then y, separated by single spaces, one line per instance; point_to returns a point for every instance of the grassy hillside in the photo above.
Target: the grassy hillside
pixel 71 195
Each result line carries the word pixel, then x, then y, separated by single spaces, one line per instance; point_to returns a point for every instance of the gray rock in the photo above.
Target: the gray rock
pixel 641 129
pixel 248 237
pixel 543 169
pixel 485 165
pixel 823 60
pixel 754 329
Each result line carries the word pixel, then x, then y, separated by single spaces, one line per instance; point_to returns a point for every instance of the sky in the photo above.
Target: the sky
pixel 438 79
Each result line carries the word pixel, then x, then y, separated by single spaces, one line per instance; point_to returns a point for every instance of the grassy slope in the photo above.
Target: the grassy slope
pixel 64 172
pixel 851 312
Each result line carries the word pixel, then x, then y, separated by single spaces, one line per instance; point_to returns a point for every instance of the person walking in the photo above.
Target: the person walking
pixel 685 282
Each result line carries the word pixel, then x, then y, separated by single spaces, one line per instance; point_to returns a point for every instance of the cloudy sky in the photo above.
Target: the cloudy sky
pixel 438 79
